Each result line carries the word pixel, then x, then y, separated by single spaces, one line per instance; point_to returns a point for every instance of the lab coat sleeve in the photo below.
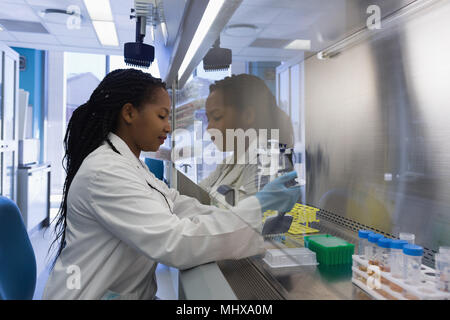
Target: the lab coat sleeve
pixel 137 215
pixel 187 207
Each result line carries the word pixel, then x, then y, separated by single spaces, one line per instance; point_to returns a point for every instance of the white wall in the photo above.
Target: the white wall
pixel 56 118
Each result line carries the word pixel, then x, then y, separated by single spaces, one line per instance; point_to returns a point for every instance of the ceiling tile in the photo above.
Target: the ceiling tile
pixel 124 21
pixel 78 42
pixel 283 32
pixel 122 6
pixel 297 18
pixel 36 38
pixel 58 29
pixel 254 14
pixel 13 1
pixel 14 11
pixel 60 4
pixel 228 41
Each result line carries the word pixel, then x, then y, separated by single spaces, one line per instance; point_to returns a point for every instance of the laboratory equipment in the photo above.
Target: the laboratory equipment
pixel 412 256
pixel 396 259
pixel 383 254
pixel 363 241
pixel 330 250
pixel 217 58
pixel 371 252
pixel 398 289
pixel 290 257
pixel 408 237
pixel 138 53
pixel 303 215
pixel 442 271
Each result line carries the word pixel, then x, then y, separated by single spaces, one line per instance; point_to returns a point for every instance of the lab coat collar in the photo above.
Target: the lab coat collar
pixel 123 148
pixel 125 151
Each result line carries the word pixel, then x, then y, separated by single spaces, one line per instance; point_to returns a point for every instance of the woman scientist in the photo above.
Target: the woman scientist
pixel 117 220
pixel 243 102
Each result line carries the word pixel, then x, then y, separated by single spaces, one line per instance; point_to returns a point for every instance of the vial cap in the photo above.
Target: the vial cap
pixel 413 250
pixel 384 243
pixel 398 244
pixel 374 237
pixel 364 233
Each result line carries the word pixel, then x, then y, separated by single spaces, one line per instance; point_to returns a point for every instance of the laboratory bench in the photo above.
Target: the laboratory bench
pixel 252 279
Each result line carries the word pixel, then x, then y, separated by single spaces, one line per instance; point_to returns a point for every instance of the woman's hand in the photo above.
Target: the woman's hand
pixel 276 196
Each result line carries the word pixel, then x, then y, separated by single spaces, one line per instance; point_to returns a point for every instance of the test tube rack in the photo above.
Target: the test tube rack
pixel 302 216
pixel 366 279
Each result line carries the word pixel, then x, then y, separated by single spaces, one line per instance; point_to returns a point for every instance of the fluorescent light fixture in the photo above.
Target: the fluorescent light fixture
pixel 210 14
pixel 106 32
pixel 99 10
pixel 164 32
pixel 103 22
pixel 299 45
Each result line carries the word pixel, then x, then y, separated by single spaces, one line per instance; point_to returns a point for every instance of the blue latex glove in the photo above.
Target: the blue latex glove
pixel 276 196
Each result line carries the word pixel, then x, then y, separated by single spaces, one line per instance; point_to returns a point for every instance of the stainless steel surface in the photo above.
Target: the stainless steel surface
pixel 377 128
pixel 204 282
pixel 253 279
pixel 336 20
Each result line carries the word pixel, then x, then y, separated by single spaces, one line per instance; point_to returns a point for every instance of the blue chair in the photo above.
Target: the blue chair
pixel 156 167
pixel 17 260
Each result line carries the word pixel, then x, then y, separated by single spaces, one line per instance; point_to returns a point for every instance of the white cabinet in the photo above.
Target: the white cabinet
pixel 9 86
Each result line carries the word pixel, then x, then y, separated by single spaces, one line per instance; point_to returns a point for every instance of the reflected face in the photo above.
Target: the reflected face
pixel 220 117
pixel 153 124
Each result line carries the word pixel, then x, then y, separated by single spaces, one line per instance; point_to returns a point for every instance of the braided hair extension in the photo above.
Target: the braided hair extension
pixel 91 123
pixel 243 91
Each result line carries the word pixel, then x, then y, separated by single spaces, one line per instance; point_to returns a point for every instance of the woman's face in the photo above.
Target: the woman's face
pixel 220 117
pixel 153 124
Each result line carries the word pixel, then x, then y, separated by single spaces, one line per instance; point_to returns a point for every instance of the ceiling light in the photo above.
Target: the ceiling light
pixel 99 10
pixel 106 32
pixel 103 22
pixel 299 45
pixel 210 14
pixel 1 29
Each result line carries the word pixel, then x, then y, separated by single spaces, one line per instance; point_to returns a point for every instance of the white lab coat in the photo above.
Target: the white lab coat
pixel 118 228
pixel 242 176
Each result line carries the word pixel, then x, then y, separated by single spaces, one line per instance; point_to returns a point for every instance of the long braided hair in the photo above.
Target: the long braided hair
pixel 91 123
pixel 248 91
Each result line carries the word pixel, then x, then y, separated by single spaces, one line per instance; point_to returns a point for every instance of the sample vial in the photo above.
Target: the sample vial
pixel 371 253
pixel 442 262
pixel 408 237
pixel 383 254
pixel 396 259
pixel 363 242
pixel 412 256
